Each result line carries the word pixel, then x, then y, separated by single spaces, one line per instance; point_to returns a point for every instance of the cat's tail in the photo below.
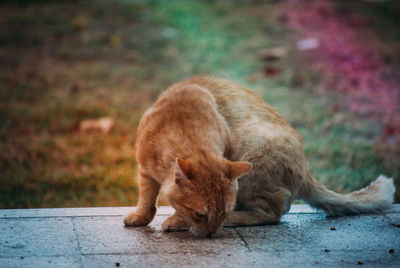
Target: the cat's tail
pixel 374 198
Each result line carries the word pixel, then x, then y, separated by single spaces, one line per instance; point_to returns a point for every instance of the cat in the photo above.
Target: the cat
pixel 183 145
pixel 276 174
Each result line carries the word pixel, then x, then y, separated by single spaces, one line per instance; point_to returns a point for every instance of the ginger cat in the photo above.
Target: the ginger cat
pixel 181 145
pixel 234 123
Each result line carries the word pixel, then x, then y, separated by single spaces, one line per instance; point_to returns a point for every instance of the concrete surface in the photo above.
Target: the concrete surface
pixel 96 237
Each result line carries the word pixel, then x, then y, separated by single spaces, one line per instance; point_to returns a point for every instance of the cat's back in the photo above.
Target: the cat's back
pixel 181 117
pixel 251 120
pixel 238 104
pixel 175 108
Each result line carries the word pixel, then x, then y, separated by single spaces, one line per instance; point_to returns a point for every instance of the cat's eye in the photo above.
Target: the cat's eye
pixel 223 214
pixel 201 216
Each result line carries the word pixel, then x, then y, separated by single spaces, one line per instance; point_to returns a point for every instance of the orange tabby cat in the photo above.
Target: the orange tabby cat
pixel 181 146
pixel 258 135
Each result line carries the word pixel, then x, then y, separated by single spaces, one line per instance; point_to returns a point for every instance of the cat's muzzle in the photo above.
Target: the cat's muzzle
pixel 200 234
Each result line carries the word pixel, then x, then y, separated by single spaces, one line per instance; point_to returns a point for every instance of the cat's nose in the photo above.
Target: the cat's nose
pixel 212 230
pixel 210 233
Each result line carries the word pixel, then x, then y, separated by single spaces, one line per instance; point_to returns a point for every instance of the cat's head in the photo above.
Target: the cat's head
pixel 205 194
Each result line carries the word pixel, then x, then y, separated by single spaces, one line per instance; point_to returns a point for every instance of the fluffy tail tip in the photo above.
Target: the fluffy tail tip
pixel 386 189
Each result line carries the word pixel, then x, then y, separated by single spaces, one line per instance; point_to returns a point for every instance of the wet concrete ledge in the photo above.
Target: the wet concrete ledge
pixel 96 237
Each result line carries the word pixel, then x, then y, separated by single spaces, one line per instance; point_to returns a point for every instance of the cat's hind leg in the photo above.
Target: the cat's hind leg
pixel 175 223
pixel 146 210
pixel 267 208
pixel 248 218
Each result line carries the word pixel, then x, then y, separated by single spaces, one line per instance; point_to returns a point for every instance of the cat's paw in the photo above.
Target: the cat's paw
pixel 229 224
pixel 232 220
pixel 135 219
pixel 174 224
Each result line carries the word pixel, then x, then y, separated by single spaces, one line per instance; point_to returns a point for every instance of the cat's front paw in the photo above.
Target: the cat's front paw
pixel 135 219
pixel 174 224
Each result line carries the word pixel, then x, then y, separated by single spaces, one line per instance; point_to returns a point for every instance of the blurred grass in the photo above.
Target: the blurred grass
pixel 61 63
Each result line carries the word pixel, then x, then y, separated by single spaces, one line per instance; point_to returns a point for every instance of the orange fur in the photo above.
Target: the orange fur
pixel 205 121
pixel 180 147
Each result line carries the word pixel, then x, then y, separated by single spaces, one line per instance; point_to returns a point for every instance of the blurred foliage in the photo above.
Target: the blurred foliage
pixel 63 62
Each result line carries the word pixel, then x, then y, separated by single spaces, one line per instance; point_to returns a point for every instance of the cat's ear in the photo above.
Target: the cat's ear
pixel 237 169
pixel 182 170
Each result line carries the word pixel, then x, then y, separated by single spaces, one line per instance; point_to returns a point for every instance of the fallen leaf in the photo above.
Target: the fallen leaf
pixel 79 23
pixel 103 124
pixel 271 71
pixel 273 53
pixel 115 41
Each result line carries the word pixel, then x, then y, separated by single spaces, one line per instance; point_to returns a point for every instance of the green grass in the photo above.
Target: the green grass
pixel 338 147
pixel 61 63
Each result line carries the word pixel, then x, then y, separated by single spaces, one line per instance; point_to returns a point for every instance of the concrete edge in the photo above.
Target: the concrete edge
pixel 120 211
